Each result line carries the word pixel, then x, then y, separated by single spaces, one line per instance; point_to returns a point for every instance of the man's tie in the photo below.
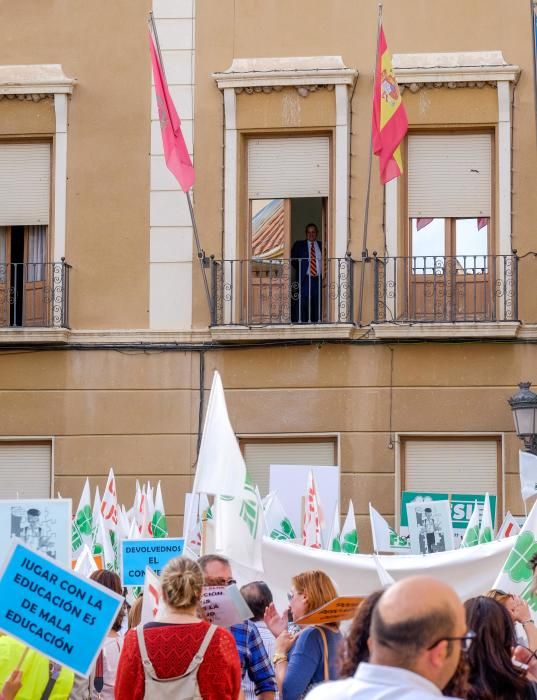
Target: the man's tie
pixel 313 259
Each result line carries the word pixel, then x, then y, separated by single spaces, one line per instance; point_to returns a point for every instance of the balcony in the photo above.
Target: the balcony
pixel 275 292
pixel 34 295
pixel 441 289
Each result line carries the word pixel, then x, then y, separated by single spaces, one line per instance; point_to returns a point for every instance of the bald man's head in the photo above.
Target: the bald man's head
pixel 410 621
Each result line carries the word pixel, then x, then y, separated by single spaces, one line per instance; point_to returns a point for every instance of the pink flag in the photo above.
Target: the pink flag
pixel 175 150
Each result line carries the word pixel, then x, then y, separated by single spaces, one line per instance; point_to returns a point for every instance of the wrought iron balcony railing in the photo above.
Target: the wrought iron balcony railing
pixel 462 288
pixel 34 294
pixel 268 292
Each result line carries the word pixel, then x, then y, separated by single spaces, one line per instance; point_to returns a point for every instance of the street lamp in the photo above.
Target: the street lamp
pixel 524 407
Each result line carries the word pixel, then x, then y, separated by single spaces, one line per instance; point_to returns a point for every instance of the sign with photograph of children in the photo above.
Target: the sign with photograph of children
pixel 43 525
pixel 430 527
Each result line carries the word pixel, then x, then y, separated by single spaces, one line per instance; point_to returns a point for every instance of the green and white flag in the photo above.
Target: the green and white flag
pixel 95 511
pixel 385 539
pixel 277 524
pixel 349 534
pixel 334 544
pixel 102 546
pixel 159 526
pixel 82 527
pixel 516 575
pixel 471 534
pixel 239 527
pixel 486 531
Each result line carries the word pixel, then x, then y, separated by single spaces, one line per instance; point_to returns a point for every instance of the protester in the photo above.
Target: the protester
pixel 520 612
pixel 173 640
pixel 418 630
pixel 301 661
pixel 135 611
pixel 355 648
pixel 258 597
pixel 38 672
pixel 103 675
pixel 492 673
pixel 252 654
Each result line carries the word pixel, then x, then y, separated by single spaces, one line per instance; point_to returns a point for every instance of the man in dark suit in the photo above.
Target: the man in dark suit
pixel 306 259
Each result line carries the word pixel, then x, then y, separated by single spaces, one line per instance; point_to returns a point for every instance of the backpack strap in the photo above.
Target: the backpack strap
pixel 198 656
pixel 148 666
pixel 325 653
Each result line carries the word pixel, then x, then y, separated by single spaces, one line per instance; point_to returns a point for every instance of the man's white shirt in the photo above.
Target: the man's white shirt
pixel 375 682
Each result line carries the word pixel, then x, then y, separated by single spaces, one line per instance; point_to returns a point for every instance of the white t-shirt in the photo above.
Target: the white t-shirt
pixel 375 682
pixel 111 652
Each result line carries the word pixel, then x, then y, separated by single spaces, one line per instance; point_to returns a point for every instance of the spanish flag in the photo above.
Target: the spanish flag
pixel 390 122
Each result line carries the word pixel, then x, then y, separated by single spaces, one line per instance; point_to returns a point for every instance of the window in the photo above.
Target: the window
pixel 24 220
pixel 260 453
pixel 288 188
pixel 25 469
pixel 450 247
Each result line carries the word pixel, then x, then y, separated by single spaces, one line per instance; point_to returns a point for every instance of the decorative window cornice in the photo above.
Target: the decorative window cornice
pixel 454 69
pixel 34 82
pixel 306 74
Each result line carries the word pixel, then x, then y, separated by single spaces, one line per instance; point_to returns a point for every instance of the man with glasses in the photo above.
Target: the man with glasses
pixel 252 653
pixel 418 631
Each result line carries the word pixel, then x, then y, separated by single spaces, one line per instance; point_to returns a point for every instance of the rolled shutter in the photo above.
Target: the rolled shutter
pixel 24 184
pixel 25 470
pixel 451 466
pixel 290 167
pixel 260 455
pixel 449 175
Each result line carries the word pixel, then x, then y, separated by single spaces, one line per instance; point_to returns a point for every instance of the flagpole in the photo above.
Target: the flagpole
pixel 368 191
pixel 201 253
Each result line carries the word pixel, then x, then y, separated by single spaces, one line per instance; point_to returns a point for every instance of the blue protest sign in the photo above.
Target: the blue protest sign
pixel 53 610
pixel 137 554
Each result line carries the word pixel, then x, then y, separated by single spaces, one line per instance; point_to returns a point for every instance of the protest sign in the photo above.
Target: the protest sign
pixel 53 610
pixel 42 524
pixel 137 554
pixel 224 605
pixel 341 608
pixel 430 527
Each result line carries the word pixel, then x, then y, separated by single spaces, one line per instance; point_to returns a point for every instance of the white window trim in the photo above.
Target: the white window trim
pixel 264 74
pixel 399 437
pixel 38 81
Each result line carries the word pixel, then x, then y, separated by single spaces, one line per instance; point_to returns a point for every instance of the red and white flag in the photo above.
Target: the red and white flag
pixel 152 595
pixel 175 150
pixel 109 503
pixel 311 529
pixel 509 527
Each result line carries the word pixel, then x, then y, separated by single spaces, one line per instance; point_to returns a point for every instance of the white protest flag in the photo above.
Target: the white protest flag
pixel 134 533
pixel 527 463
pixel 103 551
pixel 333 543
pixel 95 511
pixel 150 499
pixel 471 534
pixel 349 534
pixel 486 530
pixel 239 527
pixel 152 594
pixel 516 575
pixel 385 539
pixel 509 527
pixel 123 524
pixel 109 503
pixel 85 564
pixel 220 469
pixel 385 578
pixel 277 524
pixel 159 524
pixel 82 528
pixel 311 526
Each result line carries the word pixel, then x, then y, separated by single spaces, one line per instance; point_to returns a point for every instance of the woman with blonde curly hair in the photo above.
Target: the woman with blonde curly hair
pixel 163 651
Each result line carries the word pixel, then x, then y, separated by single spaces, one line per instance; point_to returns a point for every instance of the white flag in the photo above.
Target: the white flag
pixel 311 526
pixel 96 510
pixel 85 564
pixel 239 527
pixel 516 575
pixel 102 546
pixel 277 524
pixel 333 544
pixel 528 474
pixel 152 596
pixel 508 528
pixel 82 527
pixel 380 531
pixel 471 534
pixel 486 530
pixel 220 469
pixel 349 534
pixel 385 578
